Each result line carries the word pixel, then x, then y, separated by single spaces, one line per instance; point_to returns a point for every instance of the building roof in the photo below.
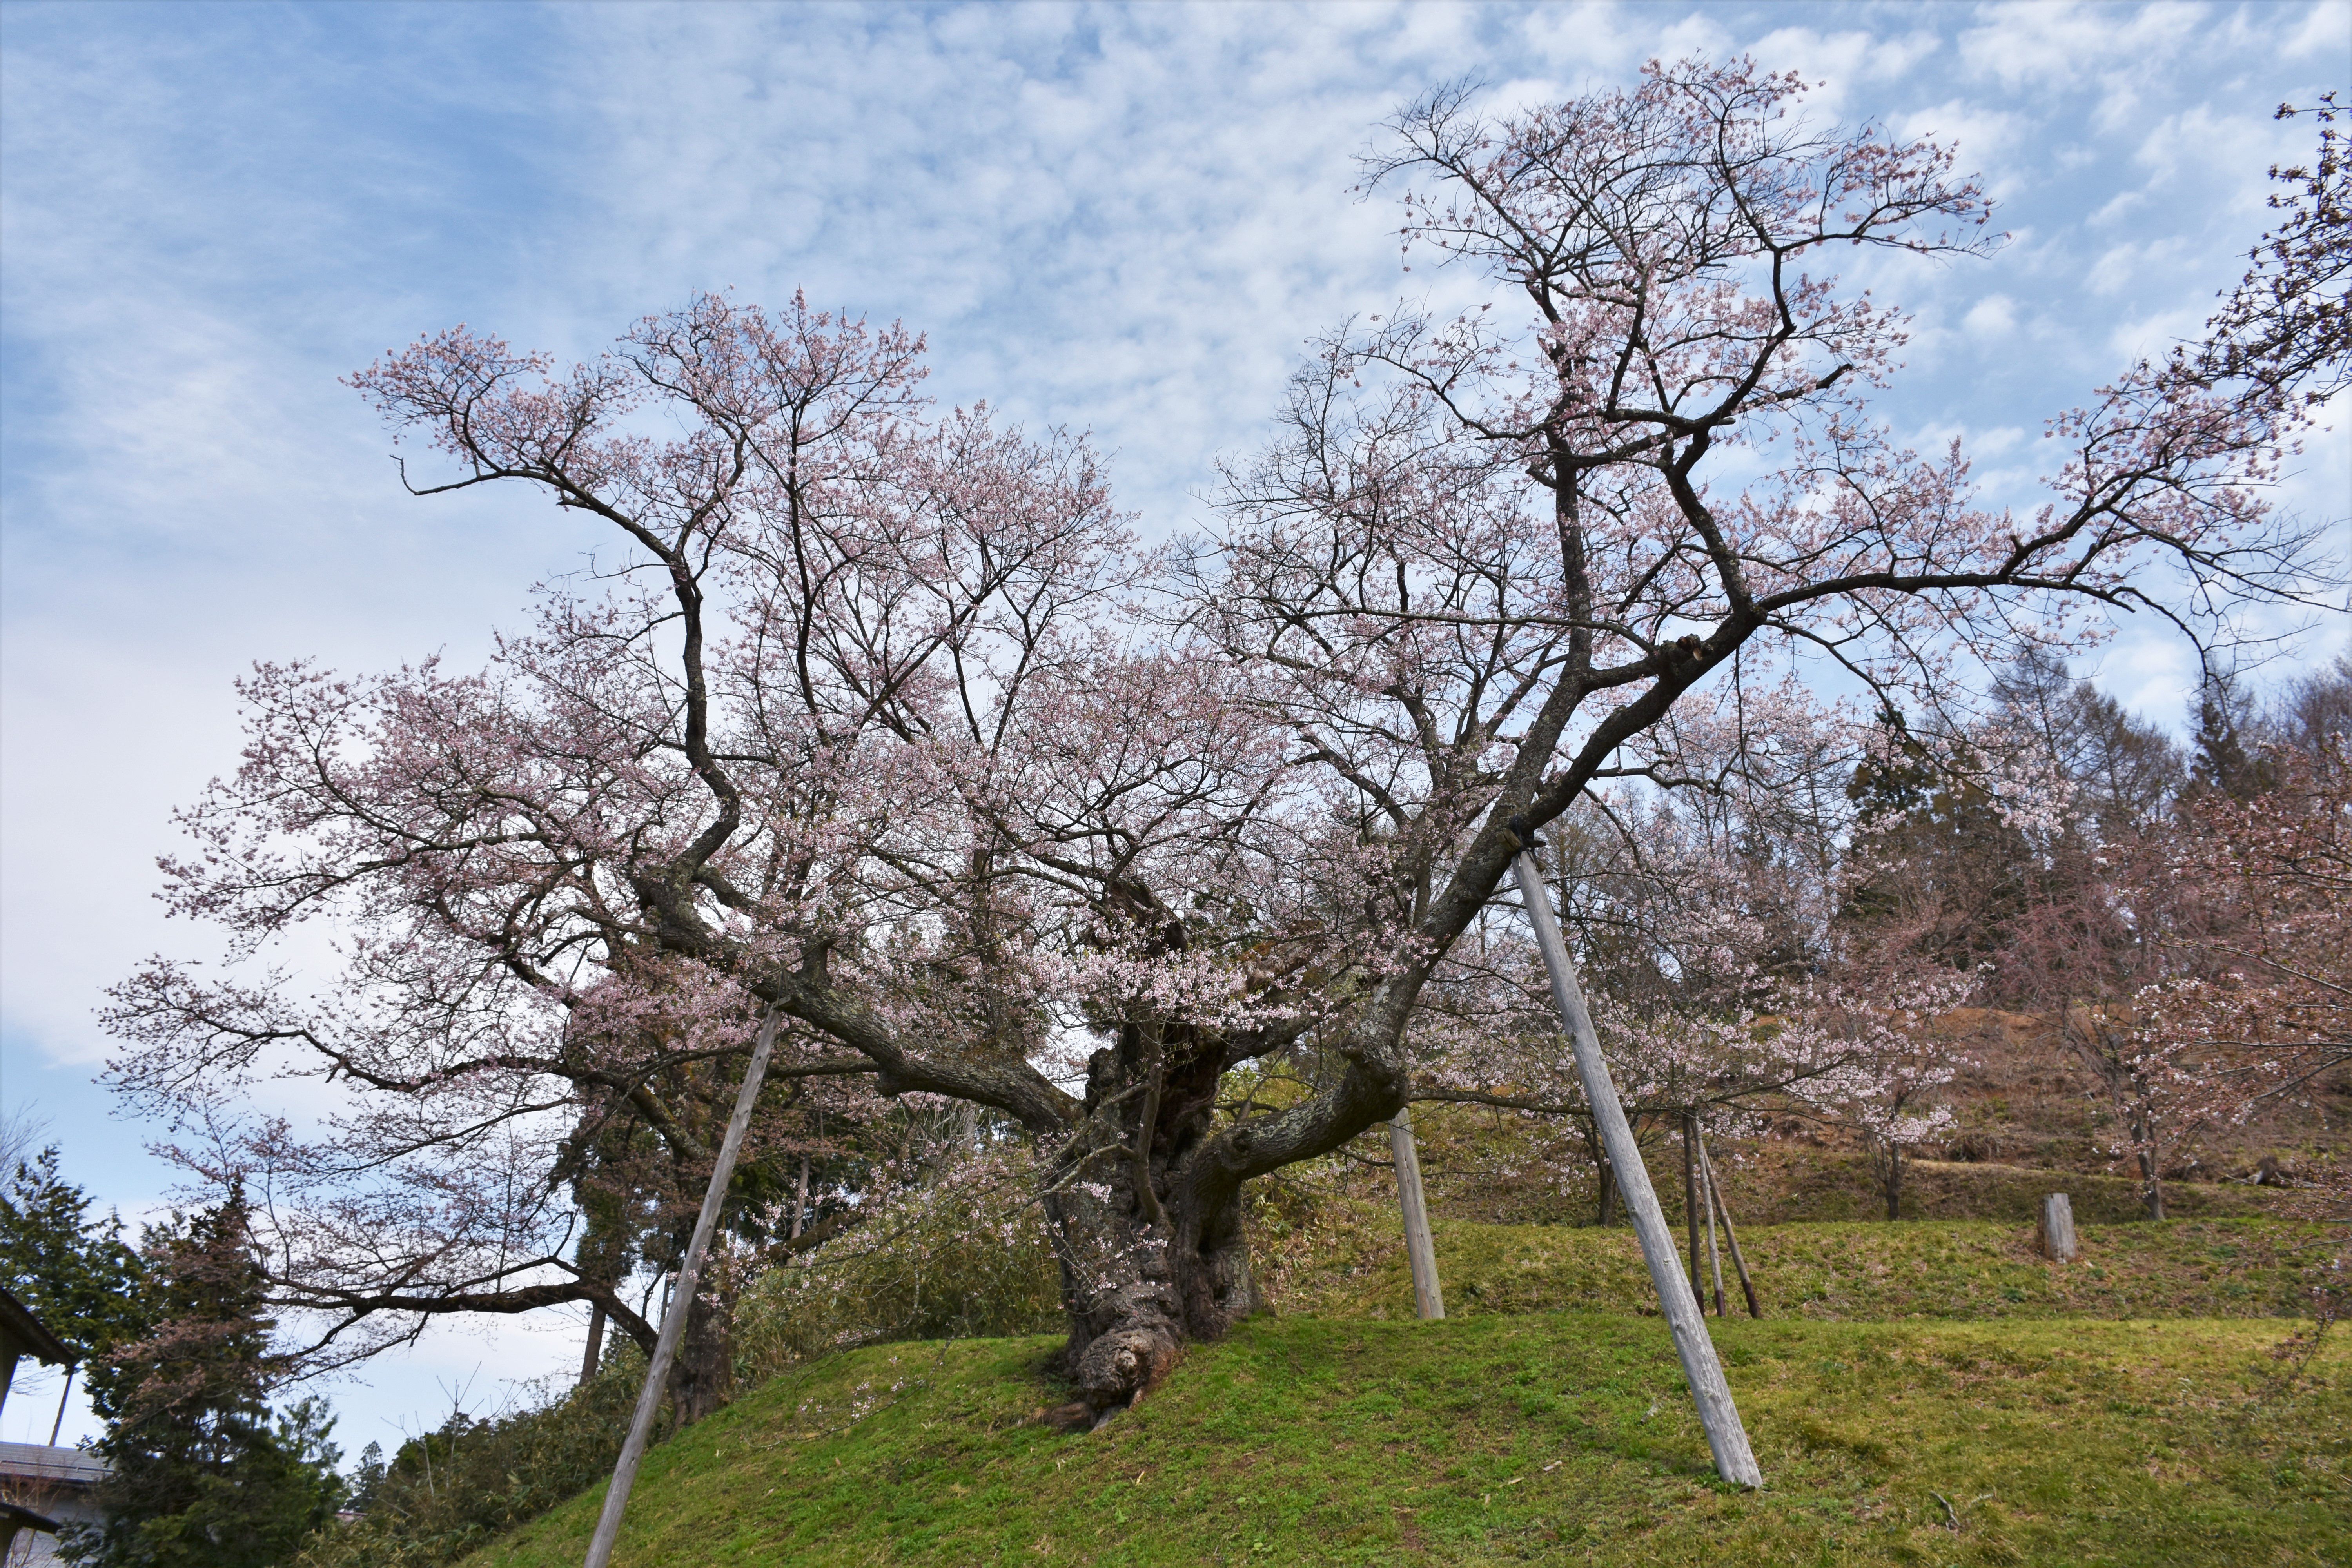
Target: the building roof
pixel 32 1338
pixel 57 1466
pixel 15 1517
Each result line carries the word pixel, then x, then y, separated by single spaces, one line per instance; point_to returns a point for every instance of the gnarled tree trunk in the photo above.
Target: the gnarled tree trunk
pixel 1152 1254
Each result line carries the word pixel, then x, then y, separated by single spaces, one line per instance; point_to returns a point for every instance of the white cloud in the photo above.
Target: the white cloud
pixel 1614 39
pixel 2119 209
pixel 1842 61
pixel 2324 33
pixel 1986 138
pixel 1994 316
pixel 2216 148
pixel 2033 43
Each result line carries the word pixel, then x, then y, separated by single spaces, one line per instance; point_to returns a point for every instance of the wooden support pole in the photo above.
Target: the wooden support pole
pixel 1730 1237
pixel 1726 1438
pixel 64 1393
pixel 681 1302
pixel 1420 1248
pixel 1714 1259
pixel 1691 1199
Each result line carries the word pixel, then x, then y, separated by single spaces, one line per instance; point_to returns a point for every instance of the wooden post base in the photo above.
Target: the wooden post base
pixel 2055 1234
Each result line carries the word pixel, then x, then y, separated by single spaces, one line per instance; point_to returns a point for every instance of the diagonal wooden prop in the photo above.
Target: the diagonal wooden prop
pixel 1420 1250
pixel 681 1301
pixel 1726 1438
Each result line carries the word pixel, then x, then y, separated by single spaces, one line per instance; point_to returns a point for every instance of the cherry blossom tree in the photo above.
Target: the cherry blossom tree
pixel 879 724
pixel 2253 996
pixel 1700 897
pixel 565 885
pixel 853 732
pixel 2287 326
pixel 2192 955
pixel 1865 1047
pixel 1496 550
pixel 1893 1061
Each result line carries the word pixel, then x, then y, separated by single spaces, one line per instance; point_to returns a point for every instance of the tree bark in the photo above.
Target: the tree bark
pixel 1152 1255
pixel 1607 1199
pixel 703 1375
pixel 594 1354
pixel 2151 1167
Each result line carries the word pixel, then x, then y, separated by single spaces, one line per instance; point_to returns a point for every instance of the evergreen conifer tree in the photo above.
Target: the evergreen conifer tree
pixel 204 1478
pixel 2221 761
pixel 76 1273
pixel 1935 867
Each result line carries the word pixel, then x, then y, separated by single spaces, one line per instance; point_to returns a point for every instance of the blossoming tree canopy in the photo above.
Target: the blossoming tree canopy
pixel 561 871
pixel 882 719
pixel 1490 555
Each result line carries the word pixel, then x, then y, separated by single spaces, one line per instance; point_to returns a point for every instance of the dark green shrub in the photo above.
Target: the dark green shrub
pixel 965 1256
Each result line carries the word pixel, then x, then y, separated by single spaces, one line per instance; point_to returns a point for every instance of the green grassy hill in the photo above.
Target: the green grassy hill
pixel 1507 1433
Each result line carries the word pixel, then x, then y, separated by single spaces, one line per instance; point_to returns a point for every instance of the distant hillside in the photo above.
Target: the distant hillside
pixel 2029 1120
pixel 2026 1099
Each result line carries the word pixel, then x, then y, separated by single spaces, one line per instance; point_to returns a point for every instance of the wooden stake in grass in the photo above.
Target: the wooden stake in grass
pixel 1726 1438
pixel 681 1302
pixel 2057 1228
pixel 1730 1237
pixel 1420 1250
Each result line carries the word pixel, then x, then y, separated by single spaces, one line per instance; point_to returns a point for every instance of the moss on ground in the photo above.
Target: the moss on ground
pixel 1558 1437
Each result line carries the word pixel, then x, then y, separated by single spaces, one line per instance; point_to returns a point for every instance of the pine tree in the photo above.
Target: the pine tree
pixel 1935 867
pixel 2221 761
pixel 76 1273
pixel 203 1475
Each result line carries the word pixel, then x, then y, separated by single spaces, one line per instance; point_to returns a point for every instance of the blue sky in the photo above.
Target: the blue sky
pixel 1120 219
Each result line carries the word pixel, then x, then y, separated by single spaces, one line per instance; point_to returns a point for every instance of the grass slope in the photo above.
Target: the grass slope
pixel 1558 1437
pixel 1497 1169
pixel 1961 1270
